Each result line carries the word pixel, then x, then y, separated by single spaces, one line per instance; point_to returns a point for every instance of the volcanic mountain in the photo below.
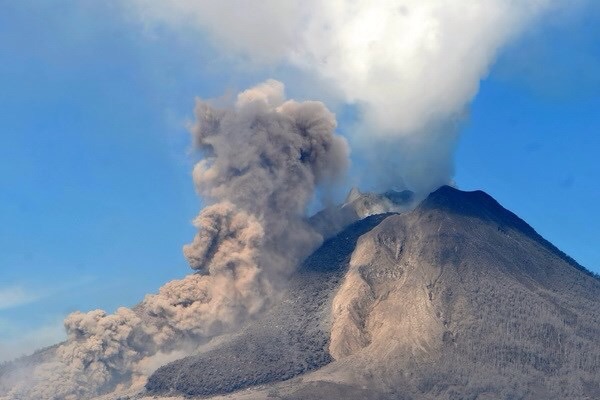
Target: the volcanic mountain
pixel 456 299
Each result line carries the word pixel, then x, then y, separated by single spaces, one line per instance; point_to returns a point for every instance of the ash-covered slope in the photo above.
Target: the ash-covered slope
pixel 456 299
pixel 459 299
pixel 290 340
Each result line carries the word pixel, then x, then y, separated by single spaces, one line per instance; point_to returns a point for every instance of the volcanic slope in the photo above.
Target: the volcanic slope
pixel 291 339
pixel 457 299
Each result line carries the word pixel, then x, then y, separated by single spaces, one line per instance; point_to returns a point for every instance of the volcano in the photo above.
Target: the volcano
pixel 456 299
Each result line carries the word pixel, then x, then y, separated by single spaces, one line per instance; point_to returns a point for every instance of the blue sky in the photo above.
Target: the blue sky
pixel 96 197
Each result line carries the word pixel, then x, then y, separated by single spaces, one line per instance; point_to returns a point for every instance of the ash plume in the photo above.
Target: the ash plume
pixel 411 67
pixel 263 158
pixel 266 157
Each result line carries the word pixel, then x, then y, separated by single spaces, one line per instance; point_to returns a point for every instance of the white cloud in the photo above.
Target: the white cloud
pixel 15 296
pixel 14 341
pixel 410 66
pixel 407 62
pixel 29 341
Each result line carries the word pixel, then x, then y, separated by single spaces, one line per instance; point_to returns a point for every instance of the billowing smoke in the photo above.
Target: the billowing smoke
pixel 263 159
pixel 410 66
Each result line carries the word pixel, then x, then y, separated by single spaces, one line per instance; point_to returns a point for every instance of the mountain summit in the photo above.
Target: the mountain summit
pixel 458 298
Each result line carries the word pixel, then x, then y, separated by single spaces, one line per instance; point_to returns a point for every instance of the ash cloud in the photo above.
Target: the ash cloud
pixel 266 157
pixel 410 66
pixel 263 159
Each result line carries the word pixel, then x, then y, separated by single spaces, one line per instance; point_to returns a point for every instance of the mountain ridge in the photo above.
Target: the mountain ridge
pixel 458 298
pixel 459 198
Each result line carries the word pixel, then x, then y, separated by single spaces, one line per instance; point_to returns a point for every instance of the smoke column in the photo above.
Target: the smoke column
pixel 410 66
pixel 263 158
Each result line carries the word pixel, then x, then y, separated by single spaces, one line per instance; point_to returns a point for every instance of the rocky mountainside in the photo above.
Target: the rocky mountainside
pixel 457 299
pixel 290 340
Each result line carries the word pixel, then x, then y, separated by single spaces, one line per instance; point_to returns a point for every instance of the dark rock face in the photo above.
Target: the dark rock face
pixel 400 197
pixel 457 299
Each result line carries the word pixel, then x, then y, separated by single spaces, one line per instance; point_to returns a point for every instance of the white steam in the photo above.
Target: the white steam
pixel 264 157
pixel 411 66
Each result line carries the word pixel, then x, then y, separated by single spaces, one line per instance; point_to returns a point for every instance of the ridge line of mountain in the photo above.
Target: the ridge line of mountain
pixel 458 201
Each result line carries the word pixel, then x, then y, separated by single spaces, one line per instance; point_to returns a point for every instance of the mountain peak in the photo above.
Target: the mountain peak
pixel 456 298
pixel 449 197
pixel 476 204
pixel 354 194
